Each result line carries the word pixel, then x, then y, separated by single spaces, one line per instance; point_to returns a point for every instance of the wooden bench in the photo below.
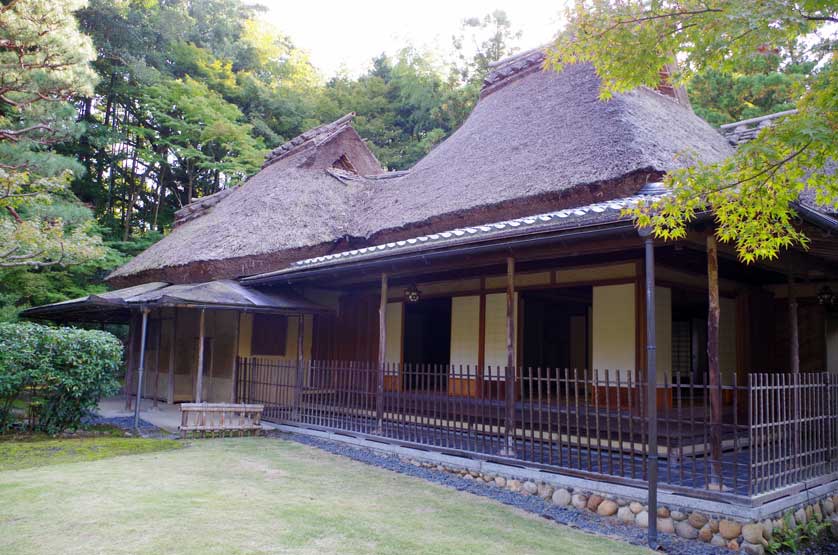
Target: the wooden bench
pixel 220 419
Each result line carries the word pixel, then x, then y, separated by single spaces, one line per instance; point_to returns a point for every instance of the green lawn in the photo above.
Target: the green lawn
pixel 260 495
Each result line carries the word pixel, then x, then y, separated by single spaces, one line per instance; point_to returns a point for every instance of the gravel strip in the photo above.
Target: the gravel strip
pixel 147 429
pixel 582 520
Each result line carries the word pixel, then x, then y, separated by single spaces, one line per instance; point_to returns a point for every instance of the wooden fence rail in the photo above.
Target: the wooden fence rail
pixel 581 422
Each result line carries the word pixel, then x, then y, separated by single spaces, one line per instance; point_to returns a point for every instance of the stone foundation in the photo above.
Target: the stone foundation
pixel 750 537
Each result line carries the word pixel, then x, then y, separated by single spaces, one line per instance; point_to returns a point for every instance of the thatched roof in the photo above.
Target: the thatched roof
pixel 535 142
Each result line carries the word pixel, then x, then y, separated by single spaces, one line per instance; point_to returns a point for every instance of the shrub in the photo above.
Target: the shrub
pixel 68 369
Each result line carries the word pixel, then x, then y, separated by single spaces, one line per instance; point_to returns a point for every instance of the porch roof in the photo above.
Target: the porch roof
pixel 116 306
pixel 597 215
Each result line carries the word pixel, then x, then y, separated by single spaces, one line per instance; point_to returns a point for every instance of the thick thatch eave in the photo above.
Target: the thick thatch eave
pixel 540 141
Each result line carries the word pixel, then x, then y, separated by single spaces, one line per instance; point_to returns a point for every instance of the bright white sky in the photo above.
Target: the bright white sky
pixel 348 34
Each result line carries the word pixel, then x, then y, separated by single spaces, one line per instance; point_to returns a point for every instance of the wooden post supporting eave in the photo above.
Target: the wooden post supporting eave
pixel 199 380
pixel 794 363
pixel 651 384
pixel 382 352
pixel 235 370
pixel 509 376
pixel 715 375
pixel 170 387
pixel 129 360
pixel 298 385
pixel 794 339
pixel 138 403
pixel 157 341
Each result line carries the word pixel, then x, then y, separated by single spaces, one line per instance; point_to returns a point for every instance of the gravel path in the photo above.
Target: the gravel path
pixel 582 520
pixel 147 429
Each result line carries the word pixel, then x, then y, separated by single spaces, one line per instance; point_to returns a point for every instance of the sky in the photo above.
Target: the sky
pixel 347 35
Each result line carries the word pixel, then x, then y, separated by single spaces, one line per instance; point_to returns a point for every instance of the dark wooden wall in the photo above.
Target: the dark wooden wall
pixel 352 334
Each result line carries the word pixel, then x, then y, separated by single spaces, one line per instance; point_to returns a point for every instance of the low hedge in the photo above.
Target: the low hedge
pixel 66 369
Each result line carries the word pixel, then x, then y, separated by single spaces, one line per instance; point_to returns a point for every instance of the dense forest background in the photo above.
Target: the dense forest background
pixel 190 95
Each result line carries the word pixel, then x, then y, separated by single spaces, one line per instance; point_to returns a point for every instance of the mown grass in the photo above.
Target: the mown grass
pixel 262 495
pixel 17 453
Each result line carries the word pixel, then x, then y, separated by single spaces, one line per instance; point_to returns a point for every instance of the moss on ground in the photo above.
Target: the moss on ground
pixel 39 450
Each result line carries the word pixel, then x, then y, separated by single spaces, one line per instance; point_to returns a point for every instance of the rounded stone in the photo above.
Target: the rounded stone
pixel 636 507
pixel 594 502
pixel 714 525
pixel 513 485
pixel 816 509
pixel 706 533
pixel 625 515
pixel 500 481
pixel 698 520
pixel 440 468
pixel 607 508
pixel 622 502
pixel 718 541
pixel 468 477
pixel 530 488
pixel 561 497
pixel 666 525
pixel 828 506
pixel 663 512
pixel 474 473
pixel 545 491
pixel 800 516
pixel 753 548
pixel 733 545
pixel 685 530
pixel 753 533
pixel 678 516
pixel 810 513
pixel 729 529
pixel 579 501
pixel 642 519
pixel 767 529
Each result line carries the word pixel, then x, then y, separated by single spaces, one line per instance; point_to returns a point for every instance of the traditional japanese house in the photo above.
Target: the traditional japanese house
pixel 495 301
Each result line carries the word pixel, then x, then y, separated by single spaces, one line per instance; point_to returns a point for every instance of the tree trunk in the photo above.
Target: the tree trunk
pixel 715 374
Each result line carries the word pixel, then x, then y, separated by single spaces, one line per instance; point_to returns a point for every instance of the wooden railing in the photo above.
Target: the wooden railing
pixel 586 423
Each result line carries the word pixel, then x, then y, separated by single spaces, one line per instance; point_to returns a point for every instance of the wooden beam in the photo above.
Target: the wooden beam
pixel 199 380
pixel 715 378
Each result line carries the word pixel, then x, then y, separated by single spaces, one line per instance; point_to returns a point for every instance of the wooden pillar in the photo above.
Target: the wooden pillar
pixel 651 385
pixel 170 387
pixel 382 352
pixel 138 404
pixel 509 375
pixel 715 375
pixel 157 341
pixel 794 363
pixel 199 380
pixel 298 384
pixel 234 390
pixel 794 339
pixel 129 361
